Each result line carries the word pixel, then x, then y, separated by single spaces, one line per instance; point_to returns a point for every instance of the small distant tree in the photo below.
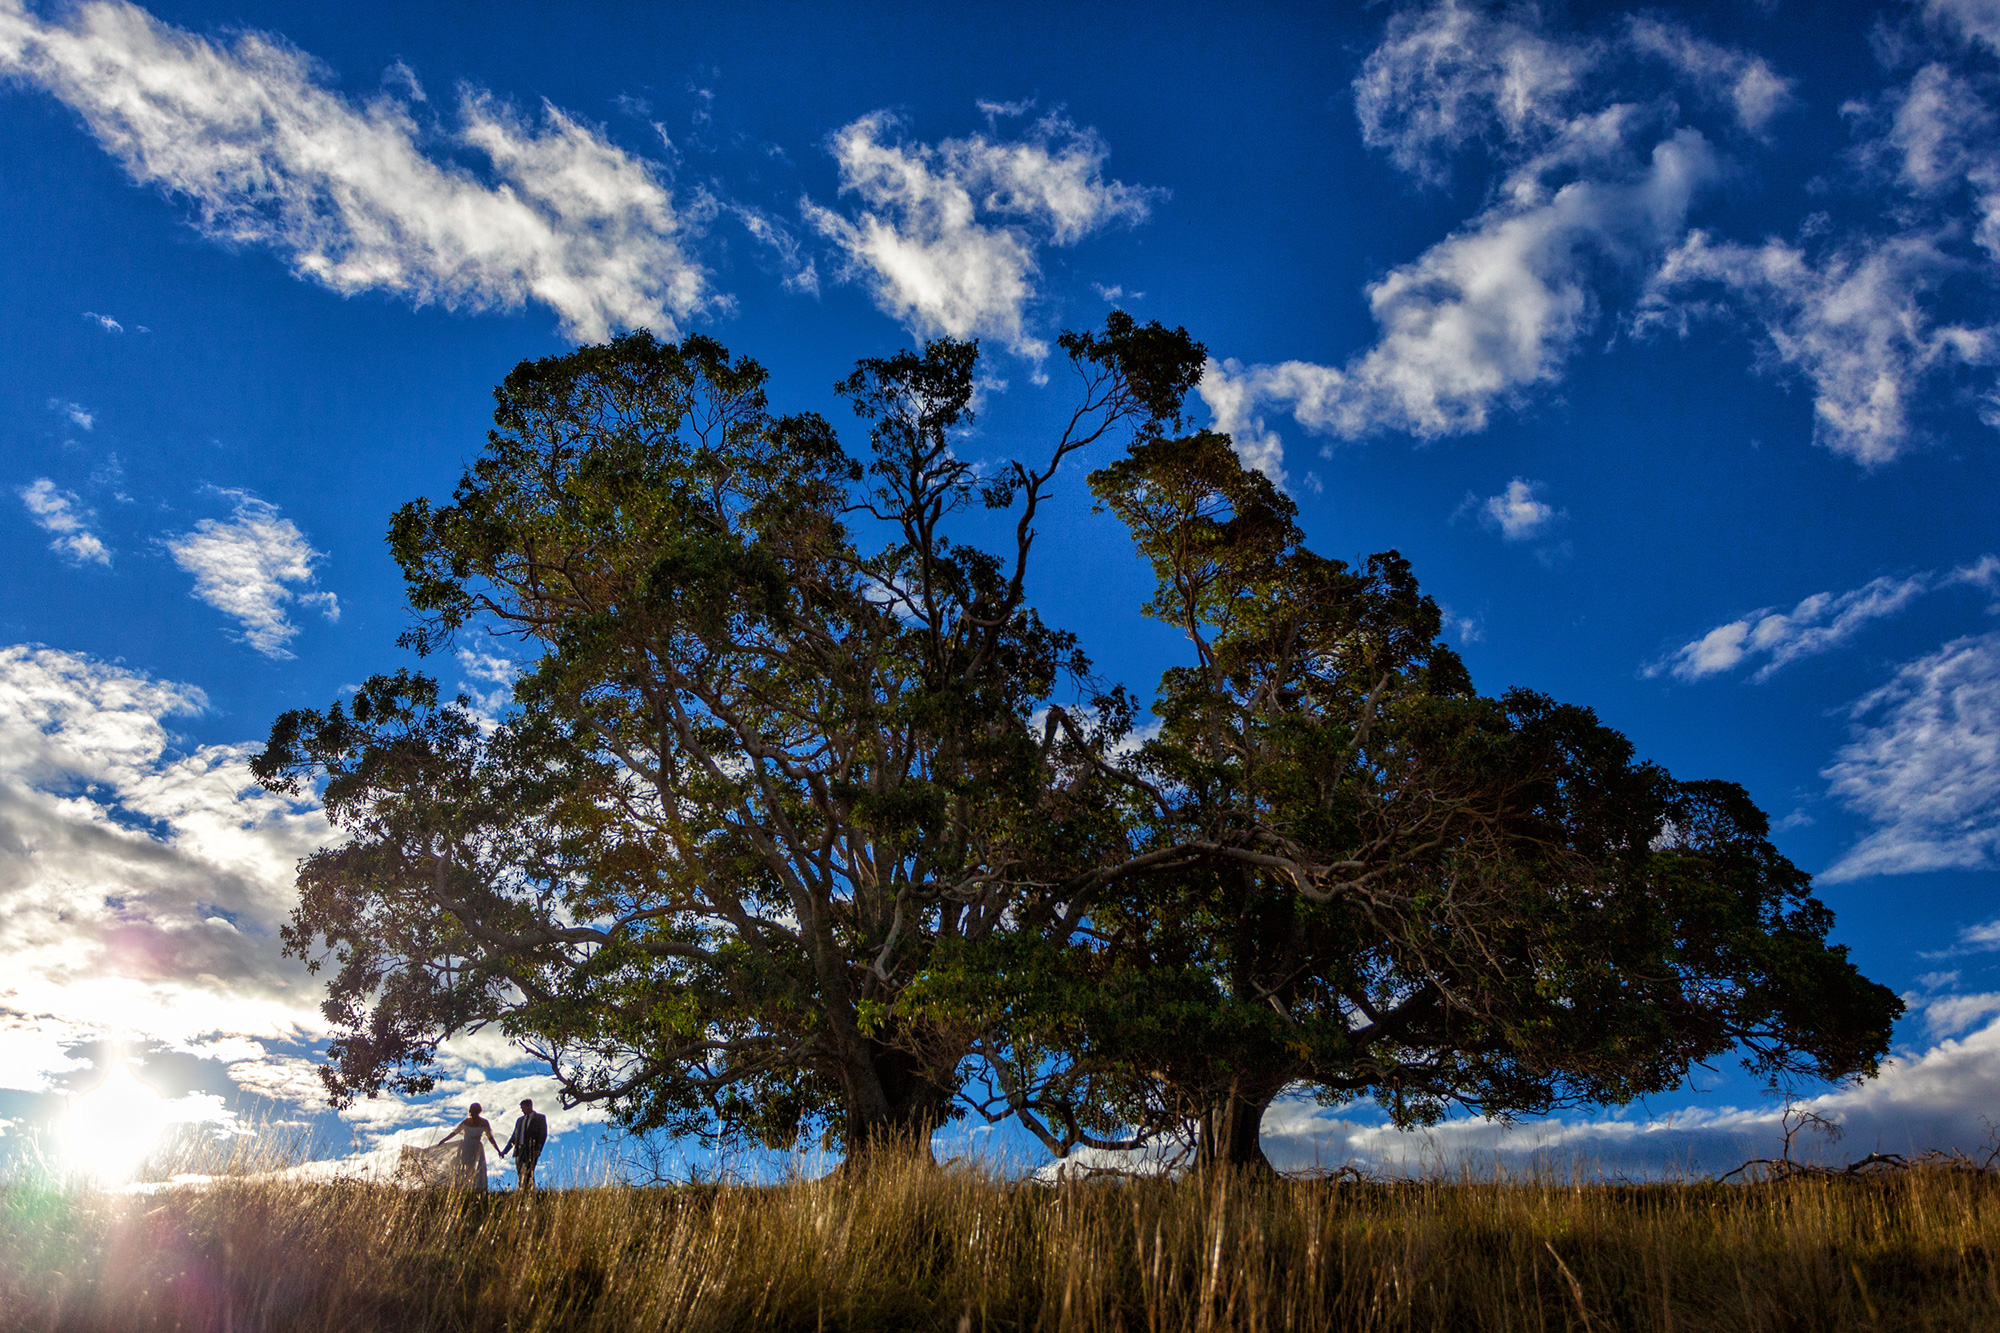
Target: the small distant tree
pixel 1361 878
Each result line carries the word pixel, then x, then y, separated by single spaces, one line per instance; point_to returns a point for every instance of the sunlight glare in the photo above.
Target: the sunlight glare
pixel 109 1130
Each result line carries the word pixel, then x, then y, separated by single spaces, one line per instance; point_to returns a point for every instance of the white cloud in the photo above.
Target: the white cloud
pixel 1940 1097
pixel 1981 573
pixel 1519 513
pixel 1752 89
pixel 1593 188
pixel 947 234
pixel 1818 624
pixel 1234 393
pixel 289 1079
pixel 1976 20
pixel 1980 938
pixel 79 416
pixel 105 322
pixel 1943 135
pixel 62 514
pixel 1853 324
pixel 141 890
pixel 1450 75
pixel 1949 1015
pixel 242 567
pixel 1469 629
pixel 489 677
pixel 1490 311
pixel 1937 1098
pixel 1924 765
pixel 1856 320
pixel 1498 307
pixel 799 273
pixel 268 155
pixel 994 110
pixel 141 886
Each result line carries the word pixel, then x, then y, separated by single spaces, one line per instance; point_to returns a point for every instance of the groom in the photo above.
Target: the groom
pixel 531 1131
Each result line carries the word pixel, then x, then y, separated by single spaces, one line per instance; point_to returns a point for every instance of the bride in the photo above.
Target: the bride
pixel 433 1165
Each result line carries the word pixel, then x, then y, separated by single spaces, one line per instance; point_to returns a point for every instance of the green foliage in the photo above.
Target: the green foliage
pixel 787 836
pixel 755 775
pixel 1347 871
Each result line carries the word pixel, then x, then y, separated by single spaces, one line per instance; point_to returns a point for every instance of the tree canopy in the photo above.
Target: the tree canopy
pixel 1366 879
pixel 803 821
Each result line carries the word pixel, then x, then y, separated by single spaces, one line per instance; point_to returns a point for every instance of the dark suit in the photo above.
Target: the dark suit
pixel 531 1131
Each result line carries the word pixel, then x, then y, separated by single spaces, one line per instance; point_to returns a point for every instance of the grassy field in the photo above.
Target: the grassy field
pixel 914 1247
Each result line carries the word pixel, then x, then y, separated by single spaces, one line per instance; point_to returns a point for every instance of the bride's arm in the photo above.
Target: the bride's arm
pixel 455 1129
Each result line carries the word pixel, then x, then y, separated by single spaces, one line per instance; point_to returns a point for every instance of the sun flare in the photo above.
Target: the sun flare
pixel 109 1130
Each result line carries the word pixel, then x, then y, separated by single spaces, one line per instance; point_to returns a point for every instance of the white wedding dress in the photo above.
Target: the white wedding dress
pixel 461 1164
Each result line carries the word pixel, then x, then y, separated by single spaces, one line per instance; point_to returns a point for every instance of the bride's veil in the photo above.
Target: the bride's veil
pixel 427 1166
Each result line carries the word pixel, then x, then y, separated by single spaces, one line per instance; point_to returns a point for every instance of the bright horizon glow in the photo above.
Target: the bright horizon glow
pixel 109 1131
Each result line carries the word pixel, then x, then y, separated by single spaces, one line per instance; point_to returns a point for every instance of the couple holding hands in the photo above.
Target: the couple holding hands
pixel 531 1131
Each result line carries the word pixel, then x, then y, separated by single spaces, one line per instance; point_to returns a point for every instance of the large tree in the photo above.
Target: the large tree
pixel 755 773
pixel 793 824
pixel 1366 879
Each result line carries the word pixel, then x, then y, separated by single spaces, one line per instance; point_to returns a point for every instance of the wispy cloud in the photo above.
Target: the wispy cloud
pixel 489 676
pixel 1974 20
pixel 1518 513
pixel 60 513
pixel 1484 314
pixel 1592 186
pixel 1582 215
pixel 1942 136
pixel 250 135
pixel 1856 311
pixel 245 568
pixel 797 271
pixel 1818 624
pixel 1949 1015
pixel 78 415
pixel 105 322
pixel 1747 83
pixel 1854 322
pixel 1451 75
pixel 947 234
pixel 1924 766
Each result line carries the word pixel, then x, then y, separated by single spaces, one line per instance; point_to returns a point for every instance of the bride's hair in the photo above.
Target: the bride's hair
pixel 475 1109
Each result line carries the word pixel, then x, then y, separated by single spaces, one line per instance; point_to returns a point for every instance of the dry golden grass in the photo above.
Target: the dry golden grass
pixel 916 1247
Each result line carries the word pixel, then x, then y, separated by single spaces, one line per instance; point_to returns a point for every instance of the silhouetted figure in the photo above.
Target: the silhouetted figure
pixel 471 1153
pixel 531 1131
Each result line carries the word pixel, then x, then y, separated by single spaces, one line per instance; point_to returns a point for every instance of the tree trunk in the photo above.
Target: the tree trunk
pixel 1230 1130
pixel 891 1106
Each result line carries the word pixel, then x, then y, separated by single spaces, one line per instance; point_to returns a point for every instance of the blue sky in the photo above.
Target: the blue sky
pixel 1665 343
